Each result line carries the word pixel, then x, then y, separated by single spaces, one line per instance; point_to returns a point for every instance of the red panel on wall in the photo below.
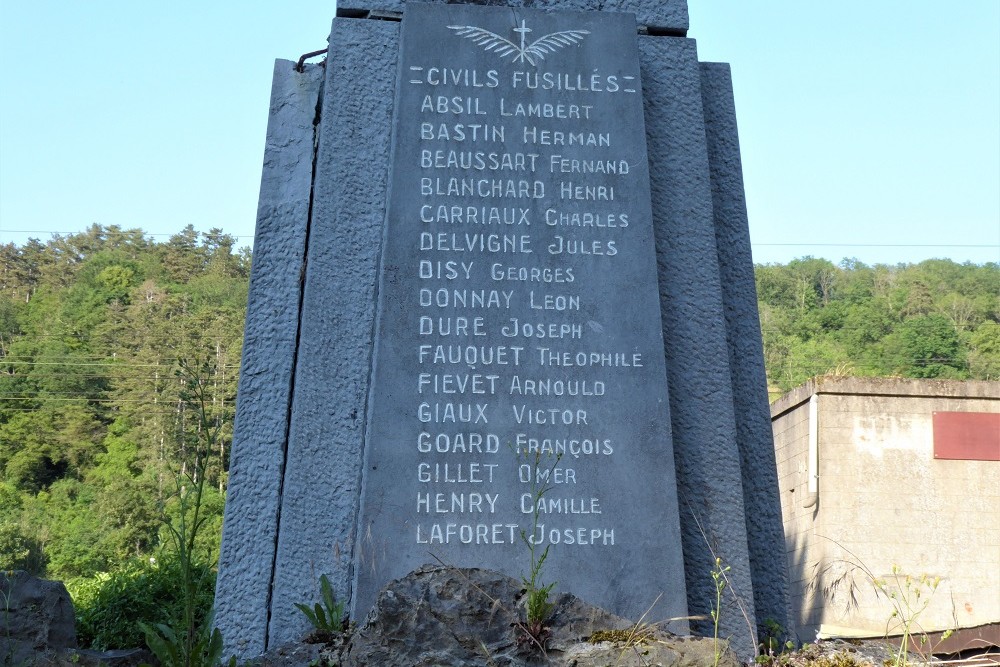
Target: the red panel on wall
pixel 970 436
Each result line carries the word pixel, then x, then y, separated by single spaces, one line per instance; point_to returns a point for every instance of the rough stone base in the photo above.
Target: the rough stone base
pixel 468 618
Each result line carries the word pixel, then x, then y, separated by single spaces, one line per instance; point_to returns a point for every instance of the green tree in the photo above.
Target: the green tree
pixel 984 351
pixel 873 320
pixel 71 530
pixel 181 257
pixel 126 501
pixel 14 549
pixel 92 414
pixel 926 347
pixel 18 551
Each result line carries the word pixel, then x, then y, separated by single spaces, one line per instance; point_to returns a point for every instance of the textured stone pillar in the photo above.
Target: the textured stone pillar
pixel 694 330
pixel 270 344
pixel 761 503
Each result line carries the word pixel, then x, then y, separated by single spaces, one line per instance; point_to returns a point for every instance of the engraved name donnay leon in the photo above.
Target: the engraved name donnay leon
pixel 503 47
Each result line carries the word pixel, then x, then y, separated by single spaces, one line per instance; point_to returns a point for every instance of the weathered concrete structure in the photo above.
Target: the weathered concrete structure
pixel 305 385
pixel 881 472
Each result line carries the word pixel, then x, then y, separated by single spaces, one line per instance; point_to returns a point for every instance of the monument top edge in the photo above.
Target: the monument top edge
pixel 659 14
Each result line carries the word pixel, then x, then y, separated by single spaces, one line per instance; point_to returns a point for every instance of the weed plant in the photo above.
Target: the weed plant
pixel 771 634
pixel 720 580
pixel 8 592
pixel 809 655
pixel 109 606
pixel 328 617
pixel 187 641
pixel 908 596
pixel 631 641
pixel 538 606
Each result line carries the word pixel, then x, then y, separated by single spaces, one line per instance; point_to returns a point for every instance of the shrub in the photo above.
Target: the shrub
pixel 110 606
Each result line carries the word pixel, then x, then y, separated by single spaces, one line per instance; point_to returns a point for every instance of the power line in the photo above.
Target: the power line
pixel 882 245
pixel 93 376
pixel 122 231
pixel 763 243
pixel 107 365
pixel 88 399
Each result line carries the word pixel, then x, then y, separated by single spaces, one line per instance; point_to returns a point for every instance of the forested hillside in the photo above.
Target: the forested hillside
pixel 103 333
pixel 935 319
pixel 96 418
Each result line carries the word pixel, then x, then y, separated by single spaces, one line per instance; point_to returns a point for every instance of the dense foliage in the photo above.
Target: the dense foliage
pixel 96 427
pixel 100 331
pixel 110 605
pixel 935 319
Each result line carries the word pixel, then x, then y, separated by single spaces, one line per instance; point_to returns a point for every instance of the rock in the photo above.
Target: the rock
pixel 873 652
pixel 660 650
pixel 469 618
pixel 132 657
pixel 292 655
pixel 440 616
pixel 37 616
pixel 84 658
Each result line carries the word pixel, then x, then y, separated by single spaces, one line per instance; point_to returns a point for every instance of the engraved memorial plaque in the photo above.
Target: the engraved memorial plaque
pixel 519 391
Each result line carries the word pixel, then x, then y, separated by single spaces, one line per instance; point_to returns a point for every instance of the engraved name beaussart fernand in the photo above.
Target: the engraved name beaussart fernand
pixel 503 47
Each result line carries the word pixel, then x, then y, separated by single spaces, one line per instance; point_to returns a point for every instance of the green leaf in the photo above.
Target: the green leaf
pixel 326 592
pixel 307 611
pixel 165 648
pixel 324 623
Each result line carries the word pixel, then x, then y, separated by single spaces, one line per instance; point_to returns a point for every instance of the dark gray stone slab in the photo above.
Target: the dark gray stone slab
pixel 701 394
pixel 746 355
pixel 269 344
pixel 665 14
pixel 321 481
pixel 518 220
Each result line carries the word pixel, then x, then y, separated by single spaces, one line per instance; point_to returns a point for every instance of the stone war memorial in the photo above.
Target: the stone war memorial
pixel 502 301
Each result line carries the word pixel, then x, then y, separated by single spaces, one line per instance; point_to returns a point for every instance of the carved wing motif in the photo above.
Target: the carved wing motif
pixel 552 42
pixel 491 41
pixel 486 39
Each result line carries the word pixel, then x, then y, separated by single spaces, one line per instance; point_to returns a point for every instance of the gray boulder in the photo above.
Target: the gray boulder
pixel 36 616
pixel 134 657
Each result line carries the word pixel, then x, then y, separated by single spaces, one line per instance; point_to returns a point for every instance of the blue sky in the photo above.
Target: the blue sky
pixel 869 129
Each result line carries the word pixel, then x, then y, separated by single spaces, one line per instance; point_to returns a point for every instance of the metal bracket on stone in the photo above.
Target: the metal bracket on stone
pixel 301 64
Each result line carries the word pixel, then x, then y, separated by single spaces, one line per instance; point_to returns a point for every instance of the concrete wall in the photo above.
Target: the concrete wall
pixel 884 500
pixel 798 509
